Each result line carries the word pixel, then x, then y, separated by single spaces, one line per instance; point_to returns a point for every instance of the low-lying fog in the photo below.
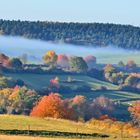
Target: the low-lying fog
pixel 16 46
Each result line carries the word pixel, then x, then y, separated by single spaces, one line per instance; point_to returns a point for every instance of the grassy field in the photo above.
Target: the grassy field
pixel 38 81
pixel 10 122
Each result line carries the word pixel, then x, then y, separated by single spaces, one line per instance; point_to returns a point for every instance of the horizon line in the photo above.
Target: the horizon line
pixel 75 22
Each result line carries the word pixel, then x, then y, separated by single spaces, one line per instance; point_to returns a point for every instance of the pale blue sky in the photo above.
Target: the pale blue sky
pixel 111 11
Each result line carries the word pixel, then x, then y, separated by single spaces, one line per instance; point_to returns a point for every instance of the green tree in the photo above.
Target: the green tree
pixel 16 63
pixel 77 64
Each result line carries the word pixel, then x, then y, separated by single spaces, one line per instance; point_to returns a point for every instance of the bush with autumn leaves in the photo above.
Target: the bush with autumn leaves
pixel 76 108
pixel 18 100
pixel 124 129
pixel 134 109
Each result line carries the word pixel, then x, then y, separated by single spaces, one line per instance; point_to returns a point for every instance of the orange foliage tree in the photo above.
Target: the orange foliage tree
pixel 135 112
pixel 77 108
pixel 53 106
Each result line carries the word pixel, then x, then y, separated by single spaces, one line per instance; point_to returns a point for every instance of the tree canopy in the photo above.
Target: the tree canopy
pixel 93 34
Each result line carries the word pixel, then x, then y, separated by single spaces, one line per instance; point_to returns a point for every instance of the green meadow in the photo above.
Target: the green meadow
pixel 38 81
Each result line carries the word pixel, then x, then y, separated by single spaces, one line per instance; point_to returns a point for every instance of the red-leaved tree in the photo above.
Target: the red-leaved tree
pixel 91 61
pixel 53 106
pixel 63 61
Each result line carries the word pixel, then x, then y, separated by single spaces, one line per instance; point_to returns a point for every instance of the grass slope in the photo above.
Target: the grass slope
pixel 37 81
pixel 11 122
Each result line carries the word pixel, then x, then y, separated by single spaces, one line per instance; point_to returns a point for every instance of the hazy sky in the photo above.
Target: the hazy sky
pixel 112 11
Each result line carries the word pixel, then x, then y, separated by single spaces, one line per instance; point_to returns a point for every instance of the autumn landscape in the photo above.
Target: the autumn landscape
pixel 68 74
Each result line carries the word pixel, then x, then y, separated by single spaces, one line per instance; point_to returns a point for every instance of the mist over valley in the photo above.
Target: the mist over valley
pixel 35 49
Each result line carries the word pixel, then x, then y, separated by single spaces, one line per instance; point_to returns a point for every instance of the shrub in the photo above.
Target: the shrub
pixel 116 127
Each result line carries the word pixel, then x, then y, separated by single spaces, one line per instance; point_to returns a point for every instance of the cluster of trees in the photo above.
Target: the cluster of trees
pixel 95 34
pixel 62 64
pixel 111 75
pixel 52 61
pixel 116 74
pixel 76 108
pixel 131 66
pixel 131 128
pixel 120 74
pixel 14 63
pixel 21 100
pixel 132 82
pixel 73 63
pixel 123 129
pixel 127 82
pixel 18 100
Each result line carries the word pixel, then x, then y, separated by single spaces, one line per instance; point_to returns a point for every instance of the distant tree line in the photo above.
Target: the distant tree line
pixel 125 75
pixel 91 34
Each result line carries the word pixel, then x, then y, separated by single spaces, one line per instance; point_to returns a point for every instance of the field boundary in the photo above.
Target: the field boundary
pixel 43 133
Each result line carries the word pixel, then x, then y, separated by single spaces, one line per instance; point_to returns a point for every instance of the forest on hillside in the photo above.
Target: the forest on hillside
pixel 88 34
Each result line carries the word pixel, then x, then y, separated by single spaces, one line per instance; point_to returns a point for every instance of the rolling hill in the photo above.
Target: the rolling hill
pixel 38 81
pixel 50 128
pixel 88 34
